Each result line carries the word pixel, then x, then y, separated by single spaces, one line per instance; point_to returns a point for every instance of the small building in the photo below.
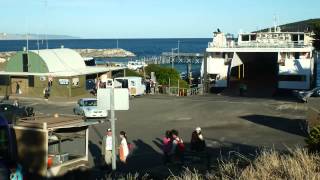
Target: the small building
pixel 62 70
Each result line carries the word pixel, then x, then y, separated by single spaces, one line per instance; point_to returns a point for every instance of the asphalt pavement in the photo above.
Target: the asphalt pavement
pixel 229 125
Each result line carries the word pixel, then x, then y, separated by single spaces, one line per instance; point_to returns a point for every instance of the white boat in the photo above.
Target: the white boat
pixel 275 59
pixel 135 65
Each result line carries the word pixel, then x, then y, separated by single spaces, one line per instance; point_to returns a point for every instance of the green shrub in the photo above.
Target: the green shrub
pixel 163 74
pixel 313 139
pixel 130 72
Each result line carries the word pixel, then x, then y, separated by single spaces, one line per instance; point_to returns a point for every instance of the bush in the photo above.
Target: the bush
pixel 313 139
pixel 270 164
pixel 163 74
pixel 130 72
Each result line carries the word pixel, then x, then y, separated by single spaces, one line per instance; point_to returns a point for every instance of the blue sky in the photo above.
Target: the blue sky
pixel 148 18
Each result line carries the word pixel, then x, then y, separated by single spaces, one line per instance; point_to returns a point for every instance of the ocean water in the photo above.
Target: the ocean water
pixel 141 47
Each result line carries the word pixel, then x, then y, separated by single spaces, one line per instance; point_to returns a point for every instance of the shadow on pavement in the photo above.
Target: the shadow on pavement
pixel 293 126
pixel 95 150
pixel 146 160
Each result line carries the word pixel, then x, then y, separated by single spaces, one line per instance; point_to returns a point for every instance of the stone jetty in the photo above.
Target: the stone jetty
pixel 105 53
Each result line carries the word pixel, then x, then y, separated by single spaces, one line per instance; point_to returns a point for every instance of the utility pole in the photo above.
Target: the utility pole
pixel 172 57
pixel 113 129
pixel 179 49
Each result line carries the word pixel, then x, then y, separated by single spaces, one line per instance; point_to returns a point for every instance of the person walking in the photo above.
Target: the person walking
pixel 166 146
pixel 197 141
pixel 107 147
pixel 18 91
pixel 123 149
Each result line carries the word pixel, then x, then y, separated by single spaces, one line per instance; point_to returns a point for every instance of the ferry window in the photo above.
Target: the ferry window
pixel 296 55
pixel 292 78
pixel 253 37
pixel 295 37
pixel 245 37
pixel 301 37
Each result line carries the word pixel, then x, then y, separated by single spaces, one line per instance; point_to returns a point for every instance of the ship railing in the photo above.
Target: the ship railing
pixel 260 45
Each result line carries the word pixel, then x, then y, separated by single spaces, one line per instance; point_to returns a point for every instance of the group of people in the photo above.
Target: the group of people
pixel 174 147
pixel 150 86
pixel 107 147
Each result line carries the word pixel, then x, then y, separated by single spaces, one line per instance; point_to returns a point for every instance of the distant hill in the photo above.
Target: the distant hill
pixel 300 26
pixel 5 36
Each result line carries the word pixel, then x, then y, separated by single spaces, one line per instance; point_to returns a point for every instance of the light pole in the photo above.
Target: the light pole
pixel 172 58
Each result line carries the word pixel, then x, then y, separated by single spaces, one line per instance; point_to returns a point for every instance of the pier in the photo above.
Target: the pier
pixel 176 58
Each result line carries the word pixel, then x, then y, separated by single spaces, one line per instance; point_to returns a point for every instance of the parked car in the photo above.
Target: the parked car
pixel 304 95
pixel 12 113
pixel 88 108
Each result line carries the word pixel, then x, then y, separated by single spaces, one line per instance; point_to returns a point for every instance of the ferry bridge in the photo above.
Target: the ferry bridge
pixel 176 58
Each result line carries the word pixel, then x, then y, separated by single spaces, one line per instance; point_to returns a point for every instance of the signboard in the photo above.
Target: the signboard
pixel 121 98
pixel 63 81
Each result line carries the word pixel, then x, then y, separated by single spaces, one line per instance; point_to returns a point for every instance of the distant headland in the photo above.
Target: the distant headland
pixel 7 36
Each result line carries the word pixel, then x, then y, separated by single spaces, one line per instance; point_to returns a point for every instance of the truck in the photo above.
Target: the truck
pixel 50 146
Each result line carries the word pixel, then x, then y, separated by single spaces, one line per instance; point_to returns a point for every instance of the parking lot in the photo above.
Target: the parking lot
pixel 229 124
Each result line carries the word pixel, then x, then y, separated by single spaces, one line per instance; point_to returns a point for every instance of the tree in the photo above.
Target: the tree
pixel 163 74
pixel 316 30
pixel 316 36
pixel 130 72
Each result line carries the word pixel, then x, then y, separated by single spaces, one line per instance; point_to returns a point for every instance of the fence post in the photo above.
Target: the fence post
pixel 169 86
pixel 178 88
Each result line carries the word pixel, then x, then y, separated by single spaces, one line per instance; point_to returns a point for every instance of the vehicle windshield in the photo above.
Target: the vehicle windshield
pixel 90 103
pixel 4 143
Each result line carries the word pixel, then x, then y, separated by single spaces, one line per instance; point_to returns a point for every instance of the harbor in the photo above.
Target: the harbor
pixel 175 90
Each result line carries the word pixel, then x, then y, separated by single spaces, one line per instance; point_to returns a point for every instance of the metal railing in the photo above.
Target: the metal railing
pixel 261 45
pixel 175 91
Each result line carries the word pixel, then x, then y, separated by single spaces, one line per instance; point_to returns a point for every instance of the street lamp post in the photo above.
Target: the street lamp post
pixel 172 58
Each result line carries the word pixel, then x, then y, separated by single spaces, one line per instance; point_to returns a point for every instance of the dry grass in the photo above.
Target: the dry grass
pixel 269 165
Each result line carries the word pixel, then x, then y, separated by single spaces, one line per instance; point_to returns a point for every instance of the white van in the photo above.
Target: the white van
pixel 133 83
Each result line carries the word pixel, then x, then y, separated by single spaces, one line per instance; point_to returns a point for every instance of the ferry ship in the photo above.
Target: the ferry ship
pixel 271 60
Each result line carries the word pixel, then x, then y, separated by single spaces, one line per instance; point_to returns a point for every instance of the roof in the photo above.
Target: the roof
pixel 61 60
pixel 61 63
pixel 87 70
pixel 88 99
pixel 52 123
pixel 129 77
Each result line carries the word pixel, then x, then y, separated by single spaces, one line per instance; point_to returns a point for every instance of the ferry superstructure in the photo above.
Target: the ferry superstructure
pixel 279 60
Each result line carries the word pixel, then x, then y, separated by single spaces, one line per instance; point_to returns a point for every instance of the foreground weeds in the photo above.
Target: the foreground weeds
pixel 269 165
